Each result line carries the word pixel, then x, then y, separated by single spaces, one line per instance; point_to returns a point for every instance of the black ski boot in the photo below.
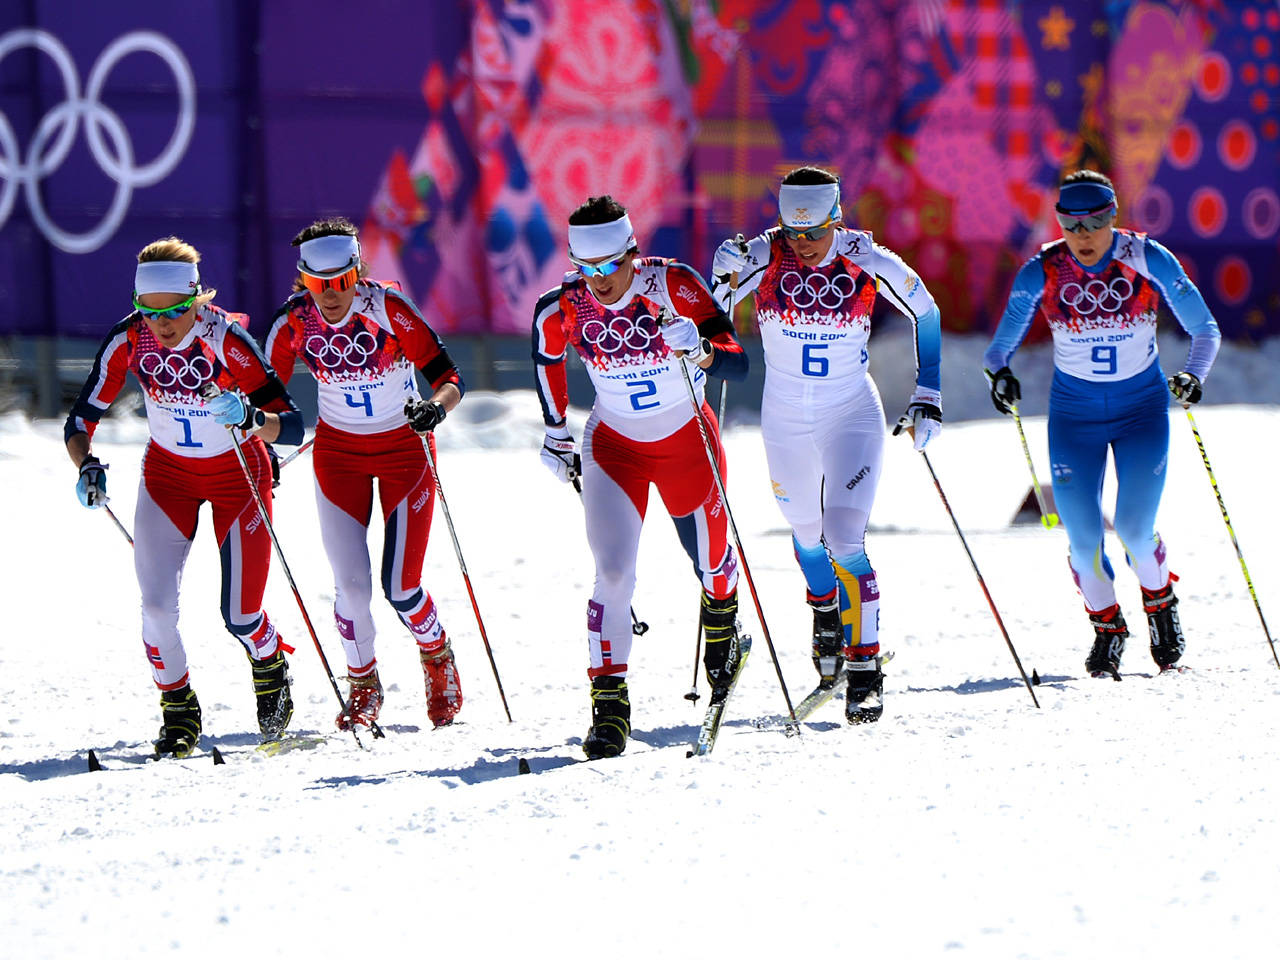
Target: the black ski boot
pixel 828 640
pixel 610 718
pixel 1110 633
pixel 1161 608
pixel 275 704
pixel 180 732
pixel 864 695
pixel 721 658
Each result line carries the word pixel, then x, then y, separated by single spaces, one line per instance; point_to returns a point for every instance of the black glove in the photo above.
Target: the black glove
pixel 423 415
pixel 1185 387
pixel 1005 390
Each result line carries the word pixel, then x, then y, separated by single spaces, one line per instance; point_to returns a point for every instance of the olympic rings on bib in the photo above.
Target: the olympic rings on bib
pixel 176 370
pixel 56 131
pixel 620 333
pixel 338 349
pixel 1096 295
pixel 830 293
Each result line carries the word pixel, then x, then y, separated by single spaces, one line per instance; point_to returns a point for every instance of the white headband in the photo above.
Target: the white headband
pixel 328 254
pixel 166 276
pixel 592 240
pixel 807 205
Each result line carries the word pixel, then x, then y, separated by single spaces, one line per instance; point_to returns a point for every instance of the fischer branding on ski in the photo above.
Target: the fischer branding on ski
pixel 710 728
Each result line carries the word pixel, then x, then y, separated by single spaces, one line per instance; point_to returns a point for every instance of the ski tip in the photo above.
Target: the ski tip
pixel 524 765
pixel 1035 678
pixel 94 765
pixel 217 757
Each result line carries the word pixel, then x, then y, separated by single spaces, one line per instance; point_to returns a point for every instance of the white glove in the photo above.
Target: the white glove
pixel 731 257
pixel 923 416
pixel 559 456
pixel 682 334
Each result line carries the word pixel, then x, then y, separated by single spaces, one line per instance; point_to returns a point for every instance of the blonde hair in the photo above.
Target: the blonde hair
pixel 173 249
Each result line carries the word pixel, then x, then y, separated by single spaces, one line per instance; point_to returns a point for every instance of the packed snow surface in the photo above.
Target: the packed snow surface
pixel 1139 818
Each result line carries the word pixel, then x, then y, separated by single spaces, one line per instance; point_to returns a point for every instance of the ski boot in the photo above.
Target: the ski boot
pixel 610 718
pixel 722 658
pixel 275 703
pixel 828 639
pixel 180 732
pixel 1161 608
pixel 363 703
pixel 864 694
pixel 1108 644
pixel 444 692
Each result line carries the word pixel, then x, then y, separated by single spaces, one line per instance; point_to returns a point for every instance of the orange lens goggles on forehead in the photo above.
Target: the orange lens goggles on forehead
pixel 337 281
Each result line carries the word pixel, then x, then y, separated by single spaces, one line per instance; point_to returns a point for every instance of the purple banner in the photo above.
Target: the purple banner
pixel 460 134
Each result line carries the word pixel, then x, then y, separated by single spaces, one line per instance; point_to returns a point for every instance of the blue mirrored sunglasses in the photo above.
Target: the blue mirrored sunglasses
pixel 604 269
pixel 813 233
pixel 1096 220
pixel 166 313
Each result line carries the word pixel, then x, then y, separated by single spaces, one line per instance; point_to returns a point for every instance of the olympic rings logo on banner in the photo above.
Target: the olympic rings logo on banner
pixel 1096 295
pixel 56 132
pixel 830 293
pixel 621 333
pixel 176 370
pixel 333 351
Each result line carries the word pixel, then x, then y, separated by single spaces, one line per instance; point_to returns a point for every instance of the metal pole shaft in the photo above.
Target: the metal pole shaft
pixel 466 577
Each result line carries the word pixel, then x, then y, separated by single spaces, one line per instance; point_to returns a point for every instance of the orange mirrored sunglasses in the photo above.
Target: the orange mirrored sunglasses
pixel 338 281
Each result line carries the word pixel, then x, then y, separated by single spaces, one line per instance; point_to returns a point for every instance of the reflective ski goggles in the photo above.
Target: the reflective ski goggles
pixel 341 280
pixel 165 313
pixel 603 269
pixel 812 233
pixel 1093 220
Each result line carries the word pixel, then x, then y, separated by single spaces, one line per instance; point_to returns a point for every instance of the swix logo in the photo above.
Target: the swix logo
pixel 685 294
pixel 239 356
pixel 857 478
pixel 716 507
pixel 421 501
pixel 403 322
pixel 253 524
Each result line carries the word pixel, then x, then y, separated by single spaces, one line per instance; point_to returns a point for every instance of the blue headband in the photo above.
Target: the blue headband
pixel 1084 196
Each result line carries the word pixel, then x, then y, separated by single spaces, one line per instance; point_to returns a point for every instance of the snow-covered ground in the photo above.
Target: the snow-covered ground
pixel 1136 819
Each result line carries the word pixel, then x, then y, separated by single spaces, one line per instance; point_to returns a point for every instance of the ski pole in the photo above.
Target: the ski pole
pixel 1227 520
pixel 297 453
pixel 692 695
pixel 665 317
pixel 116 520
pixel 1047 517
pixel 638 626
pixel 903 423
pixel 210 391
pixel 466 577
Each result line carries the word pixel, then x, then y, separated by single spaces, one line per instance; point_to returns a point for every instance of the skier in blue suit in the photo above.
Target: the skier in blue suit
pixel 1100 288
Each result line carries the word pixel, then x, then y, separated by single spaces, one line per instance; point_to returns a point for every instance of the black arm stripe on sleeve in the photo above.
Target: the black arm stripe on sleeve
pixel 893 296
pixel 439 367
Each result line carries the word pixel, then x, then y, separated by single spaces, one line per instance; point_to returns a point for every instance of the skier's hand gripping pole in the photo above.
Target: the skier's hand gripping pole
pixel 210 391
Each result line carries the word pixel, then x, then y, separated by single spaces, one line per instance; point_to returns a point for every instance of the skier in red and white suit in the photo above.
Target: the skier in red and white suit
pixel 641 430
pixel 361 341
pixel 175 343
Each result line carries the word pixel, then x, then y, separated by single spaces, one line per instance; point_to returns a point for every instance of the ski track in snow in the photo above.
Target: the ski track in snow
pixel 1135 818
